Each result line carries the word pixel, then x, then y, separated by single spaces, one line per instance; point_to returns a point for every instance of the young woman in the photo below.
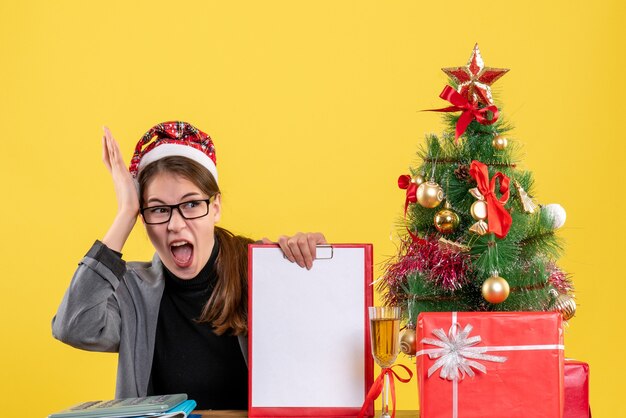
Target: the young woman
pixel 178 322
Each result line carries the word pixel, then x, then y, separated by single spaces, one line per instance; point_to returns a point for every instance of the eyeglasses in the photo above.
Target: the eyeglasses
pixel 192 209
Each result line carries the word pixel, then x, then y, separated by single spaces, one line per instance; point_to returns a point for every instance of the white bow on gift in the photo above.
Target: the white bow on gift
pixel 457 355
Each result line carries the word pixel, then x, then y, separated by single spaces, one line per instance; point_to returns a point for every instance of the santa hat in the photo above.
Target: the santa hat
pixel 174 138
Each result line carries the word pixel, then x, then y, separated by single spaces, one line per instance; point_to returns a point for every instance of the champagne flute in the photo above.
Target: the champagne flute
pixel 384 332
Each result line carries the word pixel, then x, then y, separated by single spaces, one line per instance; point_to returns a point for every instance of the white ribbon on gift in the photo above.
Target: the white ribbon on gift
pixel 457 355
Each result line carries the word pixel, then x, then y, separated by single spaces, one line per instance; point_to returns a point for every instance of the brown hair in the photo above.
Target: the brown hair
pixel 226 309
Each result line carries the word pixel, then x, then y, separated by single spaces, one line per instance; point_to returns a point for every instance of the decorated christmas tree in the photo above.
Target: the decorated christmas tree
pixel 472 236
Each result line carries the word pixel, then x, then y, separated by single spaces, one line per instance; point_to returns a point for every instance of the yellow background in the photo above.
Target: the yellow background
pixel 314 110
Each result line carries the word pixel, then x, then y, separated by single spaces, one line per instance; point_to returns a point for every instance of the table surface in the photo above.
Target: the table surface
pixel 205 414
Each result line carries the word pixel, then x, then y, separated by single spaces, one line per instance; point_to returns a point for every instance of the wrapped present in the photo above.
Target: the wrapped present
pixel 490 364
pixel 576 389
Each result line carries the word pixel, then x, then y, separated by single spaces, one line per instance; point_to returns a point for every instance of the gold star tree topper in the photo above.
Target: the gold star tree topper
pixel 474 79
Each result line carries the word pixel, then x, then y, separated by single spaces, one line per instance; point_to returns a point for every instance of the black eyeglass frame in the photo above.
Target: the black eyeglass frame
pixel 177 207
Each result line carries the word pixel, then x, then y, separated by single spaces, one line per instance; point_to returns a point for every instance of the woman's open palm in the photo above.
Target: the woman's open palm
pixel 125 189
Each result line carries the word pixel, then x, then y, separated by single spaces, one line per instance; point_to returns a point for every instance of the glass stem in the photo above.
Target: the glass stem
pixel 385 397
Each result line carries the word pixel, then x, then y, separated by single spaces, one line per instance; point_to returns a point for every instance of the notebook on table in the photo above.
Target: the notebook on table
pixel 148 406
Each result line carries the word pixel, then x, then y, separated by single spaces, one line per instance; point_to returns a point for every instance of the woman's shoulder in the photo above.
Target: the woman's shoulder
pixel 147 271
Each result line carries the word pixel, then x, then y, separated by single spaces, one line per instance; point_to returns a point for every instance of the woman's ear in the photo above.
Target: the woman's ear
pixel 216 207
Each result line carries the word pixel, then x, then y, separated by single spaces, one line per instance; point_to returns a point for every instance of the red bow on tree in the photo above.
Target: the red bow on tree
pixel 404 182
pixel 498 218
pixel 470 110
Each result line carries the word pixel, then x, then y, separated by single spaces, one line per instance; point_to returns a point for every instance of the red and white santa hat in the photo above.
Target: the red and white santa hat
pixel 174 138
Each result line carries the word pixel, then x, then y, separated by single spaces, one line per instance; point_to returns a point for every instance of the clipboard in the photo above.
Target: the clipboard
pixel 308 332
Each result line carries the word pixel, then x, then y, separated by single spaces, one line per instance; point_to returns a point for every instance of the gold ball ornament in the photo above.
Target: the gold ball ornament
pixel 408 341
pixel 429 194
pixel 566 305
pixel 446 220
pixel 419 179
pixel 478 210
pixel 495 289
pixel 499 142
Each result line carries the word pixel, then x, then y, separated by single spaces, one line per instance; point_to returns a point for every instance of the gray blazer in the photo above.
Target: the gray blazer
pixel 113 306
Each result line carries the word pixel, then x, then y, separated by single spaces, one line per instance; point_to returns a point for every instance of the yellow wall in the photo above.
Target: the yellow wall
pixel 314 110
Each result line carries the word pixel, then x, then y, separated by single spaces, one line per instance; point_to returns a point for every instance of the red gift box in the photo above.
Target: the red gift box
pixel 490 364
pixel 576 390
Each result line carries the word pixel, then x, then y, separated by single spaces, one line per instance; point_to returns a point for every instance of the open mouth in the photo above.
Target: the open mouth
pixel 182 252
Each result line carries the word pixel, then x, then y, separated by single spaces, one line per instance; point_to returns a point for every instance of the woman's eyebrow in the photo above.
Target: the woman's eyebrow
pixel 157 200
pixel 190 195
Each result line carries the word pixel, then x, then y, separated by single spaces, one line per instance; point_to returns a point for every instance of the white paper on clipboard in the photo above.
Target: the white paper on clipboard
pixel 308 329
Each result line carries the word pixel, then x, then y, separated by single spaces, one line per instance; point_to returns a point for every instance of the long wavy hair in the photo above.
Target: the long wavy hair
pixel 226 309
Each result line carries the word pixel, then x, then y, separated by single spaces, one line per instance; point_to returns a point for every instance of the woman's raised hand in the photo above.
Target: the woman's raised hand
pixel 125 191
pixel 300 248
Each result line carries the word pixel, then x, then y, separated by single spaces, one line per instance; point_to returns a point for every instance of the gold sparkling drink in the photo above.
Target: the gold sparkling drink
pixel 385 340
